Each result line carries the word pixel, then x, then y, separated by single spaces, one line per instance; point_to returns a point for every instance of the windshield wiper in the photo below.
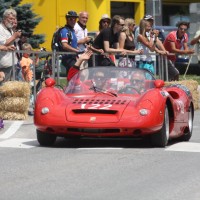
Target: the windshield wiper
pixel 97 89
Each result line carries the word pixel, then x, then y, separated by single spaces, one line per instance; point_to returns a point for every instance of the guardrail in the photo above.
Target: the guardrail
pixel 160 65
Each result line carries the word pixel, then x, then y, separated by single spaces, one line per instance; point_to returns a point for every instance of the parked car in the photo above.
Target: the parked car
pixel 101 102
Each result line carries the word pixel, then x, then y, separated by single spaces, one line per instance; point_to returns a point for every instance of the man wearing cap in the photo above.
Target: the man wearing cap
pixel 69 40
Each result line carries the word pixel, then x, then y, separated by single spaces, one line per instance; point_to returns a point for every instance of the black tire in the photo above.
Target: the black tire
pixel 45 139
pixel 160 139
pixel 188 134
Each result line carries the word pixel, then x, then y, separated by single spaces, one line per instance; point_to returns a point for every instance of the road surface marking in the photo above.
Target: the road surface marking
pixel 103 148
pixel 185 146
pixel 18 143
pixel 11 130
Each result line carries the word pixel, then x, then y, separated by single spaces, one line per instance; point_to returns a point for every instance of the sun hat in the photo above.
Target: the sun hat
pixel 105 16
pixel 71 13
pixel 147 17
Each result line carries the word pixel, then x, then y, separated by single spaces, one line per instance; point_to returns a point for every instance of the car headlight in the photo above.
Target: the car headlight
pixel 143 112
pixel 45 110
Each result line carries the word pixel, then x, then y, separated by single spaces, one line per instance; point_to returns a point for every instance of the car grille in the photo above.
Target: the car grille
pixel 93 130
pixel 100 101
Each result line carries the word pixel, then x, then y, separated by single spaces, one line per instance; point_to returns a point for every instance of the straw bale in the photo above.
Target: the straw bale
pixel 14 104
pixel 13 115
pixel 15 89
pixel 192 86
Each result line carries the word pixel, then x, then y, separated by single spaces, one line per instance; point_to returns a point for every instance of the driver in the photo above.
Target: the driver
pixel 99 79
pixel 138 81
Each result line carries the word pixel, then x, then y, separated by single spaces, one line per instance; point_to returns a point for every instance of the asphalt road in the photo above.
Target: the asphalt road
pixel 96 169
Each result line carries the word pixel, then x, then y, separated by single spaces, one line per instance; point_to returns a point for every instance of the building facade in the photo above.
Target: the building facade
pixel 53 12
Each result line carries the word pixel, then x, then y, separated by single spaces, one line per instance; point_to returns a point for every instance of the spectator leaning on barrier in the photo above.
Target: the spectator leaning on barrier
pixel 107 40
pixel 176 43
pixel 196 40
pixel 7 38
pixel 69 40
pixel 126 41
pixel 146 42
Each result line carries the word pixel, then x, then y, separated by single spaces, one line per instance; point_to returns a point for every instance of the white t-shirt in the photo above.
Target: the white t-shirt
pixel 147 55
pixel 80 34
pixel 6 58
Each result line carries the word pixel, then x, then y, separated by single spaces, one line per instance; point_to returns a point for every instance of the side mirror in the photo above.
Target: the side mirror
pixel 50 82
pixel 159 83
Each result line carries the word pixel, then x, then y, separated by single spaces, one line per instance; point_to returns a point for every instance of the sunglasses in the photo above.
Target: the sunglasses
pixel 122 24
pixel 183 29
pixel 105 22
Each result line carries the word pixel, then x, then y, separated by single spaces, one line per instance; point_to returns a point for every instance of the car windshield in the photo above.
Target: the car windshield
pixel 111 81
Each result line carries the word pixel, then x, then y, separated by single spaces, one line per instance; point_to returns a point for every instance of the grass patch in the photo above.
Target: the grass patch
pixel 190 77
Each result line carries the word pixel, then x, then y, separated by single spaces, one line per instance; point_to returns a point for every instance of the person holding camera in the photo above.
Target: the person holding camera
pixel 7 38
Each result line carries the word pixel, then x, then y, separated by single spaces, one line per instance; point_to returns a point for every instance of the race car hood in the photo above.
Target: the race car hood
pixel 96 110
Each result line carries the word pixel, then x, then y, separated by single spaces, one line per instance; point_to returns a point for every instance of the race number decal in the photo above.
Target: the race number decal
pixel 180 106
pixel 96 106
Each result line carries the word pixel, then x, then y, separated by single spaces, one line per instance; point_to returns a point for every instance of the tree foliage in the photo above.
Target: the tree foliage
pixel 27 20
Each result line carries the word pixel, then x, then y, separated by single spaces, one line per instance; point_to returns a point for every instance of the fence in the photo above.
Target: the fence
pixel 160 65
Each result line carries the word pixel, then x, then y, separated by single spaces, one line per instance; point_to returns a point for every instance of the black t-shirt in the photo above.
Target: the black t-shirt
pixel 105 35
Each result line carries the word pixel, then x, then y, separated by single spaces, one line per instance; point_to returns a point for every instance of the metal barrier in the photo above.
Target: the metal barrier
pixel 161 65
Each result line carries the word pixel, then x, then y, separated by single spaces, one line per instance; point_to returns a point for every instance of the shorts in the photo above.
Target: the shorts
pixel 172 71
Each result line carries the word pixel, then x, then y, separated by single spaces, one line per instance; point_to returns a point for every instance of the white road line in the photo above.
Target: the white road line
pixel 185 146
pixel 11 130
pixel 18 143
pixel 106 148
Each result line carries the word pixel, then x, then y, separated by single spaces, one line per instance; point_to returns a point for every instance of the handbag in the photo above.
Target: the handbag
pixel 126 62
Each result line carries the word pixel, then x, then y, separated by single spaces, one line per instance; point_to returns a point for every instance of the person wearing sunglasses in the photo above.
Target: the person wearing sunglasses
pixel 176 43
pixel 138 81
pixel 104 23
pixel 107 40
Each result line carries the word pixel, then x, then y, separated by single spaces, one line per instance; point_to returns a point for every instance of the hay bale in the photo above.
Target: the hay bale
pixel 14 100
pixel 192 86
pixel 15 89
pixel 13 115
pixel 14 104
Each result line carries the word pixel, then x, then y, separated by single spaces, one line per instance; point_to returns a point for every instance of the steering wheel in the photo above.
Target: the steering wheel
pixel 128 89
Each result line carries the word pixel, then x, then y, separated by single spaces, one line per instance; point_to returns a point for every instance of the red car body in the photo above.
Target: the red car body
pixel 115 109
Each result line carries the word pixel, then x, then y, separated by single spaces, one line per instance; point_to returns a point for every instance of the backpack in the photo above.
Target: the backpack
pixel 56 44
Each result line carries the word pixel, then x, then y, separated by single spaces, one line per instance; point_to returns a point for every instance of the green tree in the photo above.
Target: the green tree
pixel 27 20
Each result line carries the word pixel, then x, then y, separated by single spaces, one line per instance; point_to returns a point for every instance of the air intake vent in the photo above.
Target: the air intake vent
pixel 100 101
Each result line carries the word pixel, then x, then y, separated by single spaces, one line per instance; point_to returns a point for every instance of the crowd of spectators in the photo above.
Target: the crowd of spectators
pixel 116 37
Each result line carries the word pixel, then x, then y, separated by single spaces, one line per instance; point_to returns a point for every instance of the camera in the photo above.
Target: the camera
pixel 91 41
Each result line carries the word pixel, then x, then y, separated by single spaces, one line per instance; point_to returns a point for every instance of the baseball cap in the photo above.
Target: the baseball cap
pixel 71 13
pixel 147 17
pixel 105 16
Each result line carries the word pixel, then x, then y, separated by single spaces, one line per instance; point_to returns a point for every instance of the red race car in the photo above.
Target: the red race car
pixel 114 102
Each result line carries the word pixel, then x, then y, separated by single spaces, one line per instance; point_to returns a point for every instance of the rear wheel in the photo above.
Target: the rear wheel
pixel 160 139
pixel 45 139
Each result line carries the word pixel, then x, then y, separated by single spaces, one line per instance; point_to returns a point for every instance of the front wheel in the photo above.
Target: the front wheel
pixel 45 139
pixel 160 139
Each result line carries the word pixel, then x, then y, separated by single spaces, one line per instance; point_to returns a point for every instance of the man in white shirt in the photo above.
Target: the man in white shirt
pixel 81 31
pixel 7 38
